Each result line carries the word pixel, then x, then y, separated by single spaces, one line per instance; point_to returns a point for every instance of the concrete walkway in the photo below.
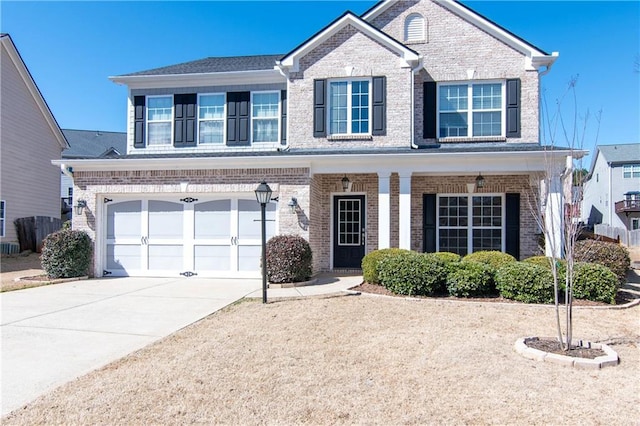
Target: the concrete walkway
pixel 53 334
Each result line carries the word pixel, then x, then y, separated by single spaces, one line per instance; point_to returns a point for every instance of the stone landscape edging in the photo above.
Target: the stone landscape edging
pixel 611 358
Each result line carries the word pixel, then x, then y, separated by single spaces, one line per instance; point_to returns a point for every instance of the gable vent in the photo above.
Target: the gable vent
pixel 414 28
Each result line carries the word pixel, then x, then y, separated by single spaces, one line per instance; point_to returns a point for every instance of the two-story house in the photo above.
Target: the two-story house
pixel 414 125
pixel 611 195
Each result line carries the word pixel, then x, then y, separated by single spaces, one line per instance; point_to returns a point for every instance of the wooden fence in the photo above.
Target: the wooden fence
pixel 32 230
pixel 628 238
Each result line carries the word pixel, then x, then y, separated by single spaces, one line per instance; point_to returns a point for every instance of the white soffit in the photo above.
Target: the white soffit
pixel 200 79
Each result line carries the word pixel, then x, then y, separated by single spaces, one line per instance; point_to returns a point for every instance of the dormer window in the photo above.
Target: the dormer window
pixel 159 112
pixel 414 28
pixel 211 118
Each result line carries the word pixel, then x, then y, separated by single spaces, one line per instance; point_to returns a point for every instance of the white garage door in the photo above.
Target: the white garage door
pixel 185 236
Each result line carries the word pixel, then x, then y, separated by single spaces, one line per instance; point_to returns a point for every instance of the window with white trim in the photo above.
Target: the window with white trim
pixel 265 112
pixel 2 217
pixel 211 118
pixel 471 110
pixel 414 28
pixel 349 107
pixel 631 171
pixel 635 223
pixel 470 223
pixel 159 117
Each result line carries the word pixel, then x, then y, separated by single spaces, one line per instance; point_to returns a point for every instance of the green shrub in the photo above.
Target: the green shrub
pixel 66 254
pixel 371 263
pixel 448 257
pixel 470 279
pixel 545 262
pixel 495 259
pixel 611 255
pixel 592 281
pixel 527 281
pixel 411 273
pixel 289 259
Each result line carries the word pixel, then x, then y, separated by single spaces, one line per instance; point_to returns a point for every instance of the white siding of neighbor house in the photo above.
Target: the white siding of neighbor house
pixel 29 183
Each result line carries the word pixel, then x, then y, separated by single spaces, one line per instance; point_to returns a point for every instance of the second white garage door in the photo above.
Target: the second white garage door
pixel 185 236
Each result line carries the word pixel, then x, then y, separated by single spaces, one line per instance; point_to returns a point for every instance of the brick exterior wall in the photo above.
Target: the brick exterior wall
pixel 350 48
pixel 451 47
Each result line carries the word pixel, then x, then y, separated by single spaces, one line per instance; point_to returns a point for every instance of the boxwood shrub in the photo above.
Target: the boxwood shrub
pixel 592 281
pixel 289 259
pixel 611 255
pixel 527 281
pixel 66 254
pixel 494 259
pixel 411 273
pixel 371 263
pixel 470 279
pixel 545 262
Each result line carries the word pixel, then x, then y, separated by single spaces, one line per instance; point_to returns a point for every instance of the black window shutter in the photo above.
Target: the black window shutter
pixel 139 140
pixel 319 108
pixel 238 118
pixel 283 117
pixel 184 128
pixel 512 219
pixel 379 124
pixel 429 223
pixel 513 108
pixel 429 112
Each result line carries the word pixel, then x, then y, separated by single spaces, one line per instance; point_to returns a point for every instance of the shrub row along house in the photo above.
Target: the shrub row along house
pixel 414 125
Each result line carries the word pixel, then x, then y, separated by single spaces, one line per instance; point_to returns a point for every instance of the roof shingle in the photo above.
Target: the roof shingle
pixel 215 64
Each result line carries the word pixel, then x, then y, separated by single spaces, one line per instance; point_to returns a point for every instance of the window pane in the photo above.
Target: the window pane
pixel 211 107
pixel 338 109
pixel 159 108
pixel 453 98
pixel 265 104
pixel 211 131
pixel 487 123
pixel 487 96
pixel 265 130
pixel 360 107
pixel 159 133
pixel 453 124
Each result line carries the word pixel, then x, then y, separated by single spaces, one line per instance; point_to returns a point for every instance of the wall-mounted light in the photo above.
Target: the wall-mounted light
pixel 293 204
pixel 345 184
pixel 480 181
pixel 79 208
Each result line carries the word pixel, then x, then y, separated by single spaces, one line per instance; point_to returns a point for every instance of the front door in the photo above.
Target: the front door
pixel 348 231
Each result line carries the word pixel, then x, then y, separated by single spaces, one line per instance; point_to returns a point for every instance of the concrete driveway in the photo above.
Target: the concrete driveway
pixel 53 334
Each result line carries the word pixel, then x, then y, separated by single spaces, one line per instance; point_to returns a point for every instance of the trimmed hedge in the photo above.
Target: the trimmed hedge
pixel 371 263
pixel 526 281
pixel 66 254
pixel 611 255
pixel 545 262
pixel 592 281
pixel 469 279
pixel 289 259
pixel 495 259
pixel 411 273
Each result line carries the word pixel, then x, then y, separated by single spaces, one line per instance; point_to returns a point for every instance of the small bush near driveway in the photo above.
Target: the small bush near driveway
pixel 289 259
pixel 66 254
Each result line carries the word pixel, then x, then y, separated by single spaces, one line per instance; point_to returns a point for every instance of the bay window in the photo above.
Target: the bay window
pixel 159 116
pixel 471 110
pixel 349 106
pixel 264 116
pixel 211 118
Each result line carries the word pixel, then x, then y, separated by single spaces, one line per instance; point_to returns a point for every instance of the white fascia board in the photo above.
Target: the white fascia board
pixel 201 79
pixel 381 7
pixel 22 69
pixel 291 61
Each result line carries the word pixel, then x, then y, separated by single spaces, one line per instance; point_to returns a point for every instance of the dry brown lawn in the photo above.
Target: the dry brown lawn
pixel 358 360
pixel 18 266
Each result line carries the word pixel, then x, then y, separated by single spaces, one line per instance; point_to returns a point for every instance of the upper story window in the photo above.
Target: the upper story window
pixel 414 28
pixel 630 171
pixel 264 116
pixel 2 218
pixel 349 106
pixel 211 118
pixel 159 113
pixel 471 109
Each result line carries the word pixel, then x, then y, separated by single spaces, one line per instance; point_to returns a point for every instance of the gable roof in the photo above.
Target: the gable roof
pixel 621 153
pixel 94 144
pixel 537 56
pixel 7 44
pixel 214 65
pixel 291 60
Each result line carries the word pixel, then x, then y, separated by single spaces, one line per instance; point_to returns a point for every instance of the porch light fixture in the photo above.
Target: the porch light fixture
pixel 480 181
pixel 78 209
pixel 263 195
pixel 345 184
pixel 293 204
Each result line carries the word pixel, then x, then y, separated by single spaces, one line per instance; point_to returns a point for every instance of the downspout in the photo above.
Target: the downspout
pixel 412 75
pixel 541 74
pixel 281 70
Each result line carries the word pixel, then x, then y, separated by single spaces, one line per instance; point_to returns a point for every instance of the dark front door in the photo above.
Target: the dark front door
pixel 348 231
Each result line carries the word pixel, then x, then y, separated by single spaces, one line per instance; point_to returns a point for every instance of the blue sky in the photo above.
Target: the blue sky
pixel 72 47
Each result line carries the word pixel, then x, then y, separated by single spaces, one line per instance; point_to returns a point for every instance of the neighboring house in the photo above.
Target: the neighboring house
pixel 29 139
pixel 87 144
pixel 612 190
pixel 414 125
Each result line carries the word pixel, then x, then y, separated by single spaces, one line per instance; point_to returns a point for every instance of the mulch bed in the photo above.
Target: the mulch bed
pixel 552 346
pixel 621 298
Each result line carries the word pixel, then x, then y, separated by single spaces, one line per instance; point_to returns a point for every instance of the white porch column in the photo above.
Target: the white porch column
pixel 405 211
pixel 553 215
pixel 384 210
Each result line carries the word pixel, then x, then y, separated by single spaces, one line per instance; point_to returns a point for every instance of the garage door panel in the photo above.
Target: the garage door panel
pixel 123 220
pixel 212 258
pixel 165 219
pixel 166 257
pixel 249 258
pixel 121 257
pixel 249 220
pixel 212 220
